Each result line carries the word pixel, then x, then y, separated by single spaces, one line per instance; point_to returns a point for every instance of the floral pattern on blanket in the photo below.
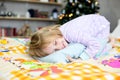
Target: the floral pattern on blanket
pixel 26 68
pixel 31 69
pixel 33 66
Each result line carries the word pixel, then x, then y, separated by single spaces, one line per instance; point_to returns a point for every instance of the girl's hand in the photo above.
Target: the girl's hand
pixel 70 59
pixel 73 60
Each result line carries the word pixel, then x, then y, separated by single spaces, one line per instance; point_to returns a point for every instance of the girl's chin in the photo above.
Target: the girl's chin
pixel 64 46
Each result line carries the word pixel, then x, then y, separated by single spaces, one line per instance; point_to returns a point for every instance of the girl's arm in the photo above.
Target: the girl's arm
pixel 93 45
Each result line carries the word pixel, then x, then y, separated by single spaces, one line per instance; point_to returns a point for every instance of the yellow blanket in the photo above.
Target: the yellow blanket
pixel 16 64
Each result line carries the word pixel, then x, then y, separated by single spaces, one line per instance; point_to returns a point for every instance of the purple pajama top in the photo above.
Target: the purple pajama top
pixel 90 30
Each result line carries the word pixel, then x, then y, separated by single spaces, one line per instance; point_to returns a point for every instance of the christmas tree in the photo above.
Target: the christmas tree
pixel 75 8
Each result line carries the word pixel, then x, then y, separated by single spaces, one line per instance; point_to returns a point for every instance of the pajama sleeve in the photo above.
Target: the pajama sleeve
pixel 93 45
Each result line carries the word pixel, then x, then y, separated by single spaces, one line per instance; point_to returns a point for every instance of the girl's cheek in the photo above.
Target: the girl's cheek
pixel 48 51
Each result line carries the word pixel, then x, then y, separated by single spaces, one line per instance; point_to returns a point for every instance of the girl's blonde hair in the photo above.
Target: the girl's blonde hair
pixel 42 38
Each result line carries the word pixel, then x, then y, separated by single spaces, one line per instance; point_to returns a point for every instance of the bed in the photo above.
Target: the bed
pixel 16 64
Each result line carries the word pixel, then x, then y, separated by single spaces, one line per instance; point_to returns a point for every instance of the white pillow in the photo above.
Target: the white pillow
pixel 74 50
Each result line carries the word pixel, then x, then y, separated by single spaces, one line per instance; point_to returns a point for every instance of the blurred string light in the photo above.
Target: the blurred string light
pixel 75 8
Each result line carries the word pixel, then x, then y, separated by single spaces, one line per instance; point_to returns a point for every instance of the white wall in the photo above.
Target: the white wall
pixel 21 8
pixel 111 10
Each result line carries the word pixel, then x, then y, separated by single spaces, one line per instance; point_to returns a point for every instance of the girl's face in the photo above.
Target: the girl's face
pixel 57 44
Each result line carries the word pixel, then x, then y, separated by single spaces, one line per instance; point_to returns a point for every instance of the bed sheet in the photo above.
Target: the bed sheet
pixel 16 64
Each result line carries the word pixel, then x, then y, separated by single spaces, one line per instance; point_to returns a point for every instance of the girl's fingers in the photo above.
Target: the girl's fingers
pixel 70 59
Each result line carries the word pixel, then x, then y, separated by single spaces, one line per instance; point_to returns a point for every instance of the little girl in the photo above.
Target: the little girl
pixel 92 31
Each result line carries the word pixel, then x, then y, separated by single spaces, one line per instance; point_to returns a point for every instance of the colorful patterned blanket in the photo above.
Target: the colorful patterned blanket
pixel 16 64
